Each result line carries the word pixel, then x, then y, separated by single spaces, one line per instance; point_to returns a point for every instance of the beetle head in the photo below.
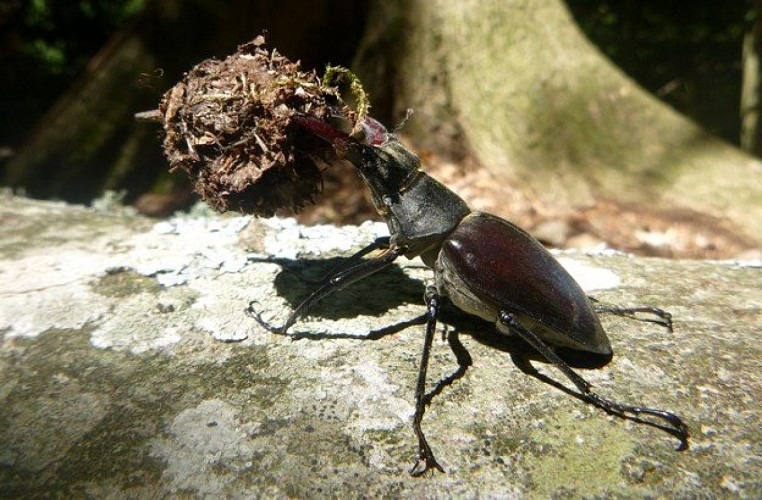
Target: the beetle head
pixel 387 168
pixel 383 162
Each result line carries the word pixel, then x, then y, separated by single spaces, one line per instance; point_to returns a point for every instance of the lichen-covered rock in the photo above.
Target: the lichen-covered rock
pixel 128 368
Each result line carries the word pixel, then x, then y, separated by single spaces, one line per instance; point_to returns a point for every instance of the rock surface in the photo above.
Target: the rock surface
pixel 129 368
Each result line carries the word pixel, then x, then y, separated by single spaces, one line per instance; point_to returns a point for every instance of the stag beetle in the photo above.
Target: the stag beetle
pixel 483 264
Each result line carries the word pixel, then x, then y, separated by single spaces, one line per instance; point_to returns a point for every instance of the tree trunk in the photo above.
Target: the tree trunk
pixel 516 86
pixel 751 104
pixel 510 85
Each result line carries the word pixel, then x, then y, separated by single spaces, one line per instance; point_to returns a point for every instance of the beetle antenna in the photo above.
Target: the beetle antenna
pixel 408 113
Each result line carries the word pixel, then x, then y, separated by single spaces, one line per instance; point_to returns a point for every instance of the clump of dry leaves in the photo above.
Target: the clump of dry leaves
pixel 229 125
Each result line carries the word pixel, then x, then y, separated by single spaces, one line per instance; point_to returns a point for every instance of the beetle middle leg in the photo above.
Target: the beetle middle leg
pixel 336 281
pixel 425 458
pixel 679 429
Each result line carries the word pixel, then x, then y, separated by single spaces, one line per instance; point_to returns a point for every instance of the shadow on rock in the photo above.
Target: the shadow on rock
pixel 372 296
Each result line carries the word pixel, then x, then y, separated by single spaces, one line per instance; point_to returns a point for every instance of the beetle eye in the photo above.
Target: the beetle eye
pixel 350 151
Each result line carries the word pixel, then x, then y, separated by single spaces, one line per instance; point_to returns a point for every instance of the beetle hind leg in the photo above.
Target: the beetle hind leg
pixel 677 427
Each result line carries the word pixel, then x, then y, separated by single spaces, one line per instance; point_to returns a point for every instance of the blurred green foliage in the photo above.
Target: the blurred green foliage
pixel 47 28
pixel 44 46
pixel 688 52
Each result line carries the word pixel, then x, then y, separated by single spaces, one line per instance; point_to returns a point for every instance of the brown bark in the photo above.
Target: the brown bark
pixel 85 144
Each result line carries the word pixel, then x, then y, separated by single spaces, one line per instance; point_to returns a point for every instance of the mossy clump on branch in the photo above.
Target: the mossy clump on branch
pixel 229 125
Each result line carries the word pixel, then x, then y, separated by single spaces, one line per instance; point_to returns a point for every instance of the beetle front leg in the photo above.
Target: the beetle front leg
pixel 678 427
pixel 381 243
pixel 337 281
pixel 425 459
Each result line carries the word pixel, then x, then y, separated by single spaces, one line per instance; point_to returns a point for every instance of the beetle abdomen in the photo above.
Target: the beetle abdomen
pixel 488 265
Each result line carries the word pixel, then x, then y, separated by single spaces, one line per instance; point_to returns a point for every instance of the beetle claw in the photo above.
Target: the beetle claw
pixel 424 461
pixel 678 428
pixel 659 315
pixel 257 316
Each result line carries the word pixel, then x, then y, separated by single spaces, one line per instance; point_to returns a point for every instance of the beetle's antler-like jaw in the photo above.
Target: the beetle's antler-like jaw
pixel 346 147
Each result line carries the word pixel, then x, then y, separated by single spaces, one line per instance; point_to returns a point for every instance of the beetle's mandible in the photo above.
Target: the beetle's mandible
pixel 483 264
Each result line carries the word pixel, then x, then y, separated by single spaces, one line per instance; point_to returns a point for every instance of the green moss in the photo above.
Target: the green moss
pixel 589 465
pixel 385 438
pixel 350 87
pixel 136 395
pixel 123 283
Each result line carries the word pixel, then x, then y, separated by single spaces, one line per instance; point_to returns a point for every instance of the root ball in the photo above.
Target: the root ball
pixel 229 126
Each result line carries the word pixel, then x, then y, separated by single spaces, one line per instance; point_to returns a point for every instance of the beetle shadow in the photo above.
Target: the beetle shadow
pixel 487 334
pixel 379 293
pixel 298 278
pixel 522 355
